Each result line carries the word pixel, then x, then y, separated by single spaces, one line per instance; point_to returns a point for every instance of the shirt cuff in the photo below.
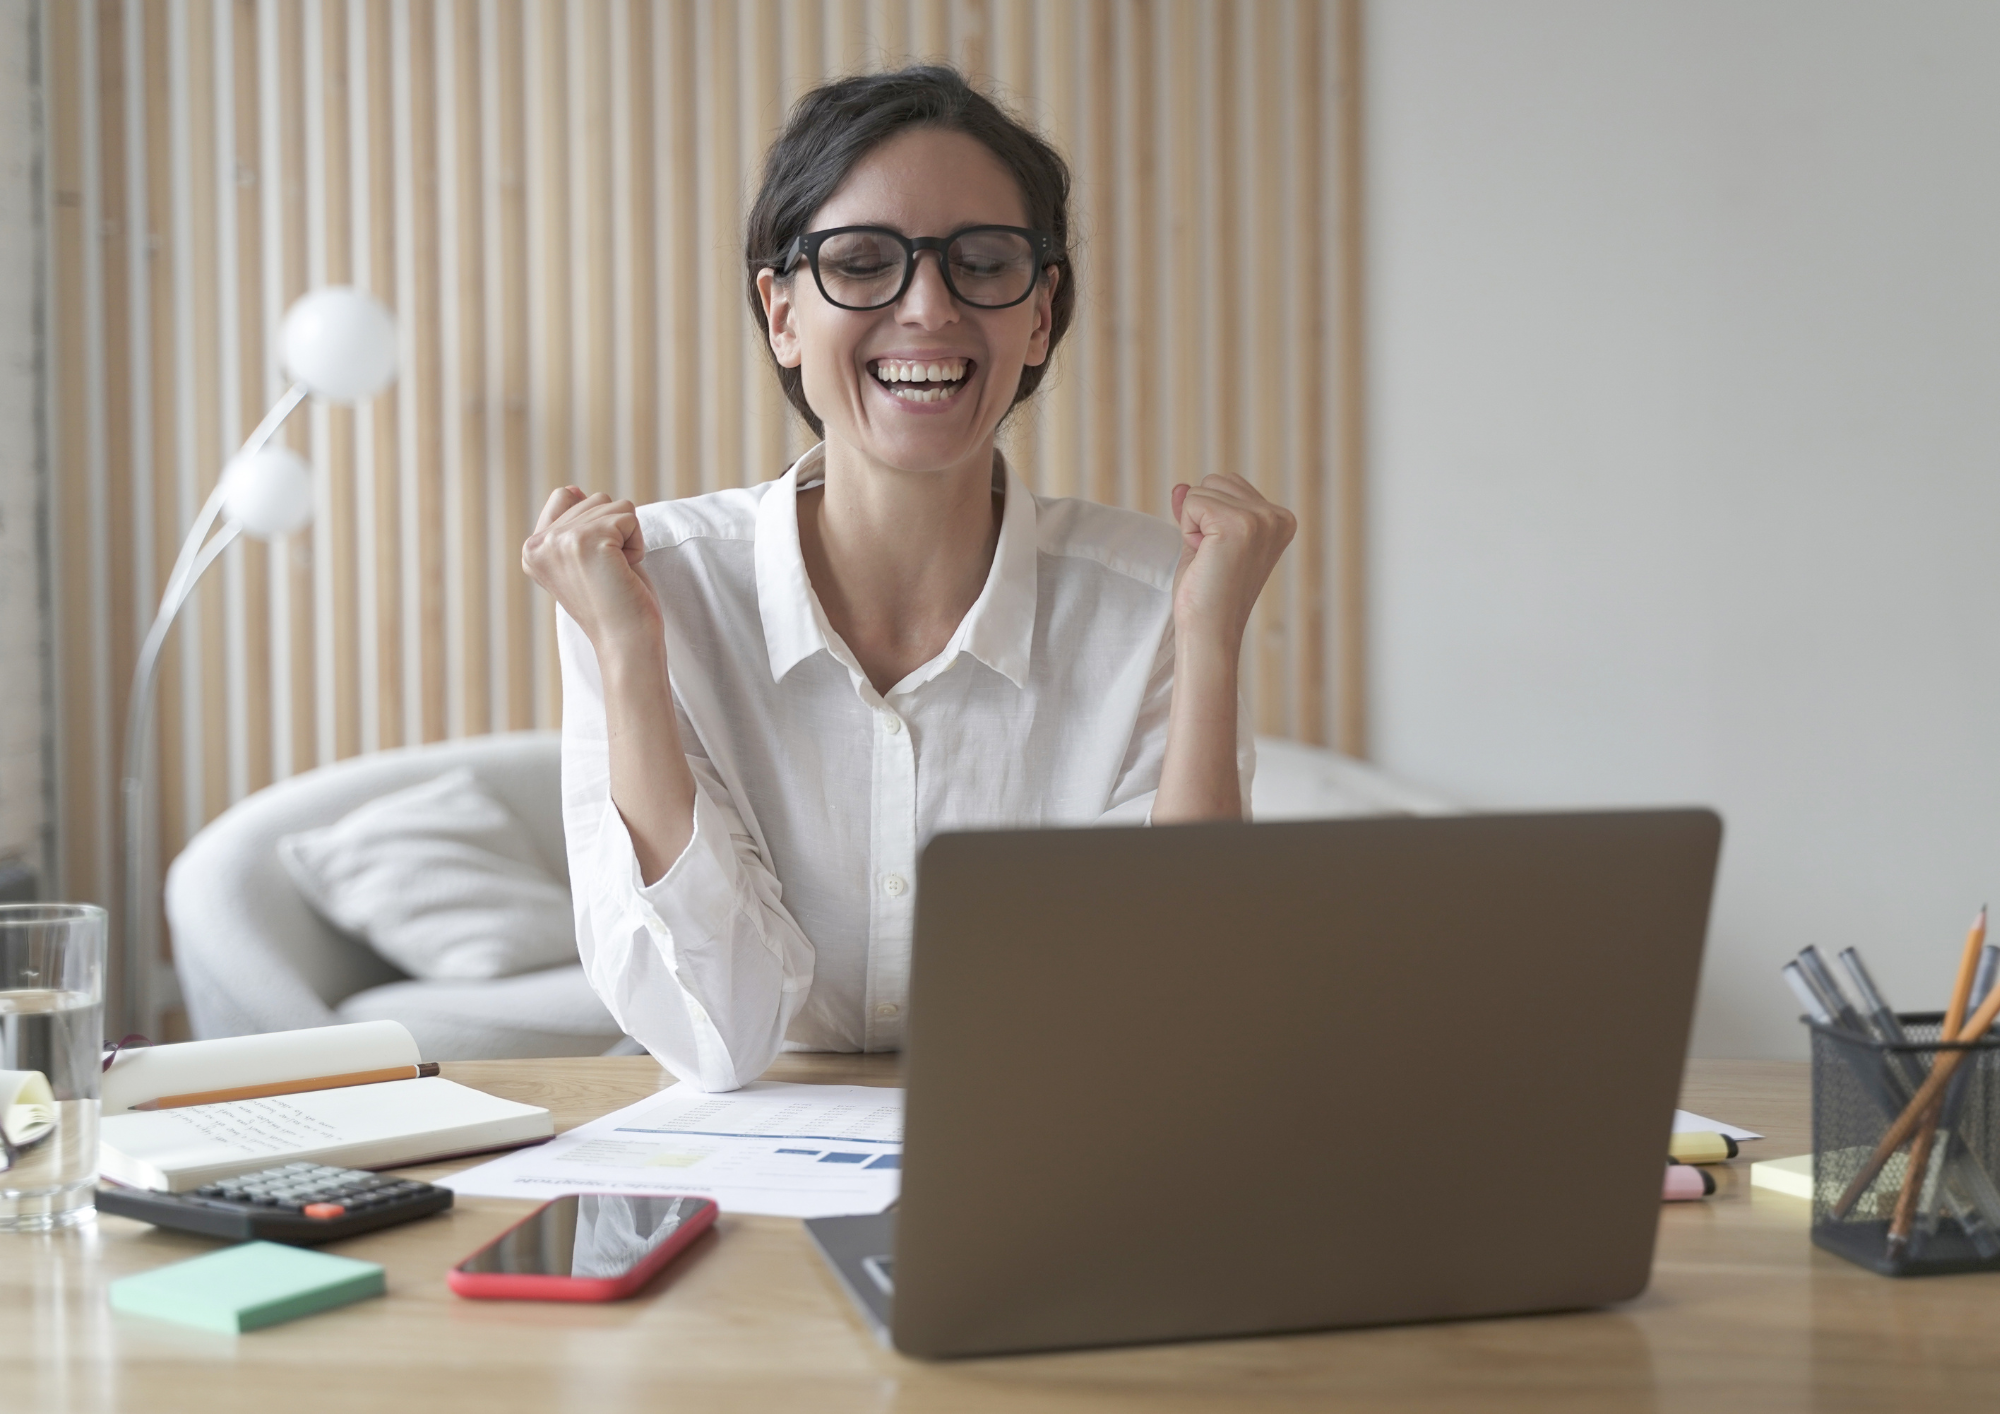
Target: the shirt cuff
pixel 694 899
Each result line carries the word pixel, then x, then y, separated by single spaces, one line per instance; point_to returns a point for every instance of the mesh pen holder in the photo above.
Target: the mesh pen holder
pixel 1859 1088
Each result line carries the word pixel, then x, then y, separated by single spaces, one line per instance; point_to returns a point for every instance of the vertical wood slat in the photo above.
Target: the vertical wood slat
pixel 472 388
pixel 385 541
pixel 159 526
pixel 504 37
pixel 550 193
pixel 302 657
pixel 549 282
pixel 1350 408
pixel 337 533
pixel 71 210
pixel 423 309
pixel 679 306
pixel 249 566
pixel 203 628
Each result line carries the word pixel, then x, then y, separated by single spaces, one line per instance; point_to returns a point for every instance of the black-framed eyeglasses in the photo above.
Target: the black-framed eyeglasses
pixel 871 267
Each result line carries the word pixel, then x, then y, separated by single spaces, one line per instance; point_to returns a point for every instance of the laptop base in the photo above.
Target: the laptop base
pixel 860 1251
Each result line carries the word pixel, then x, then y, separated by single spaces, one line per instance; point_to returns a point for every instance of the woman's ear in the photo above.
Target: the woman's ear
pixel 781 316
pixel 1045 319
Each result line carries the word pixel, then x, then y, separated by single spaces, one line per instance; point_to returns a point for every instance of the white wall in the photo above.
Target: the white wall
pixel 22 798
pixel 1686 426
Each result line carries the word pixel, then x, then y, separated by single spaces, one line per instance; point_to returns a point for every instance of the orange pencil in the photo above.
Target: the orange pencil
pixel 290 1087
pixel 1920 1152
pixel 1968 965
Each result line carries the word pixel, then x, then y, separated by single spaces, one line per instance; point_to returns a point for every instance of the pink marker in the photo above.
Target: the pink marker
pixel 1685 1181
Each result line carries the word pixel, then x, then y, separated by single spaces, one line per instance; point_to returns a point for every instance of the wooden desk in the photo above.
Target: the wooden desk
pixel 1742 1315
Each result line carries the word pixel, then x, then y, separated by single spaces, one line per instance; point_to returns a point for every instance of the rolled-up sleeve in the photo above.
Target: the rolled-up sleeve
pixel 1138 783
pixel 704 967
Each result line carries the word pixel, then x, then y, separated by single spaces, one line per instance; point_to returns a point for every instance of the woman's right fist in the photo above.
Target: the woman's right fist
pixel 586 551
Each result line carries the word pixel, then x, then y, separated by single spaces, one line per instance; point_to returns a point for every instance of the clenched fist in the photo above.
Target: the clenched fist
pixel 1231 538
pixel 586 551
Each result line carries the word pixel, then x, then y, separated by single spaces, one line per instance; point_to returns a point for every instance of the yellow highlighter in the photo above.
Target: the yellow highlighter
pixel 1700 1147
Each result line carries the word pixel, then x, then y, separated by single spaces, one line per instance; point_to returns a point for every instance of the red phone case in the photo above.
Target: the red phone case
pixel 520 1286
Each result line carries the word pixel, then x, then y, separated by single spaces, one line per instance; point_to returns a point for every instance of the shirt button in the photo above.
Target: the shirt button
pixel 894 885
pixel 887 1009
pixel 891 723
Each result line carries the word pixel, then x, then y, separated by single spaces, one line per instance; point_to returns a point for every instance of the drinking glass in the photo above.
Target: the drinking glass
pixel 51 1021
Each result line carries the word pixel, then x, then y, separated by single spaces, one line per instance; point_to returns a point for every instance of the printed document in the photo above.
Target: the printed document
pixel 794 1151
pixel 1685 1123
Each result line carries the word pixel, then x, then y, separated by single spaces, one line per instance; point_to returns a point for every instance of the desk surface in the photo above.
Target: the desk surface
pixel 1742 1314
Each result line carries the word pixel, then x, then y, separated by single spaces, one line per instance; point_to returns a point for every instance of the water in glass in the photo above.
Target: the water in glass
pixel 52 1021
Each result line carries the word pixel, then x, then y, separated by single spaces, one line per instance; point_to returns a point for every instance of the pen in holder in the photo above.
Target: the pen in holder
pixel 1861 1085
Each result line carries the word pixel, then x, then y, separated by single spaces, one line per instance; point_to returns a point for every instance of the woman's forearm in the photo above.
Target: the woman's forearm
pixel 1198 779
pixel 650 781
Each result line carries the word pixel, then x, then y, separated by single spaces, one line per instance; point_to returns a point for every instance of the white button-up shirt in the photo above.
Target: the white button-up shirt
pixel 786 922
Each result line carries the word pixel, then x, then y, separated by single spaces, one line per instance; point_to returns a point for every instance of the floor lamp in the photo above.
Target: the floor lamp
pixel 340 344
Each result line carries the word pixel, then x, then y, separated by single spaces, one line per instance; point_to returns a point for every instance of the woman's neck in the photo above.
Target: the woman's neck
pixel 898 557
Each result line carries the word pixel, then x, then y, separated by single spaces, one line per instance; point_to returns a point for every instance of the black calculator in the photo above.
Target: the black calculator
pixel 303 1204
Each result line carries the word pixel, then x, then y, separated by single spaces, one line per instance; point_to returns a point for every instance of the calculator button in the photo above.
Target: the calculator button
pixel 324 1210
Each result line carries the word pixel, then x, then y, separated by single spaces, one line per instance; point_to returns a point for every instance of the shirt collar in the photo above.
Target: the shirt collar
pixel 999 629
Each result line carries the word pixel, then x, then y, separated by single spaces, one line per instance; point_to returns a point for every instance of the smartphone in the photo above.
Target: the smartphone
pixel 584 1247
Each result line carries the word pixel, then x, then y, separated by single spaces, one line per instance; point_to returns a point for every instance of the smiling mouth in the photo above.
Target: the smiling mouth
pixel 917 382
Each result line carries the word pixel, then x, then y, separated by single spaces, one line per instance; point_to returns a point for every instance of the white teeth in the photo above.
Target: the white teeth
pixel 904 371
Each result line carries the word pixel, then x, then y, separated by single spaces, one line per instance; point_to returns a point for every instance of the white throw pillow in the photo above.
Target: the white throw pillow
pixel 440 879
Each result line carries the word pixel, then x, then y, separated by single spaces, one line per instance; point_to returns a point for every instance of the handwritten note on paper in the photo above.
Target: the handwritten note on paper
pixel 268 1126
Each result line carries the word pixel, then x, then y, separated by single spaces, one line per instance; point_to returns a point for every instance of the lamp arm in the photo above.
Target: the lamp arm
pixel 146 674
pixel 273 420
pixel 254 443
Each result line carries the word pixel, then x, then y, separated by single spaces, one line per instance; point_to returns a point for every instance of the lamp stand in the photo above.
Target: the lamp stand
pixel 139 911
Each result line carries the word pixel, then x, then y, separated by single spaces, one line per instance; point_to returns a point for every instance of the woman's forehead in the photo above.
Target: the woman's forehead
pixel 926 182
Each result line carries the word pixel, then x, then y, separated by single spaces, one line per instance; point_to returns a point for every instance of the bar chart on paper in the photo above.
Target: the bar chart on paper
pixel 803 1151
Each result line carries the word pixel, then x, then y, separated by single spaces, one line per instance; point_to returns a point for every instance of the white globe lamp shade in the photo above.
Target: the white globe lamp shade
pixel 340 342
pixel 269 492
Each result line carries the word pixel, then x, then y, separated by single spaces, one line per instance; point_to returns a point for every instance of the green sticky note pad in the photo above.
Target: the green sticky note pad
pixel 245 1287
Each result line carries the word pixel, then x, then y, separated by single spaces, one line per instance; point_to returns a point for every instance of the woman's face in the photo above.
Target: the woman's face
pixel 858 366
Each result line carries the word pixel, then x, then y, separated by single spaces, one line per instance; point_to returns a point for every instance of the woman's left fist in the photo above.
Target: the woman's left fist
pixel 1231 538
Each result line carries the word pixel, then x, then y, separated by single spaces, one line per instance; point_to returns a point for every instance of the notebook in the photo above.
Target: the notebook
pixel 387 1125
pixel 191 1067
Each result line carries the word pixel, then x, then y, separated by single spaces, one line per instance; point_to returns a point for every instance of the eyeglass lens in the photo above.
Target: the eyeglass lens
pixel 865 269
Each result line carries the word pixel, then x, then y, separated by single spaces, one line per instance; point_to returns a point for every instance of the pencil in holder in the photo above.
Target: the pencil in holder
pixel 1860 1088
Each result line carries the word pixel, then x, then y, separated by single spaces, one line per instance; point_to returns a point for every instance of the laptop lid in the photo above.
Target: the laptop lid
pixel 1222 1080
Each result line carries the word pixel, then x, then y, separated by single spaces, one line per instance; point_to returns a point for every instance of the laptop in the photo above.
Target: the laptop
pixel 1229 1080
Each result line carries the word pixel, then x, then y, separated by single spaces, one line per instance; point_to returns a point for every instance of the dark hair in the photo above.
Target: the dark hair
pixel 837 124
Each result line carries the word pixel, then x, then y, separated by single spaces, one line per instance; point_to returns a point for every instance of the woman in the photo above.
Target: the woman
pixel 773 696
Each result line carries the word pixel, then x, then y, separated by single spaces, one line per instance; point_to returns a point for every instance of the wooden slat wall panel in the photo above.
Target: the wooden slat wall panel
pixel 550 194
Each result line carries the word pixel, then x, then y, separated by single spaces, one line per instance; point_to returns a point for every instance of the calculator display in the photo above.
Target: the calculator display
pixel 585 1235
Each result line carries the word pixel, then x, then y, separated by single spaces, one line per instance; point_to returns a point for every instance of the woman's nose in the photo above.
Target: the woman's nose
pixel 928 301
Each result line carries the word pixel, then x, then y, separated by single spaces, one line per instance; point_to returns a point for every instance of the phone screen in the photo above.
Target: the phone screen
pixel 586 1235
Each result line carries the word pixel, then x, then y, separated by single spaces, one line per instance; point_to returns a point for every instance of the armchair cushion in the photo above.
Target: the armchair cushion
pixel 551 1013
pixel 440 879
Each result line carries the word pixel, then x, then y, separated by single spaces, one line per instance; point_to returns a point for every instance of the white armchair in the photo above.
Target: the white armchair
pixel 253 957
